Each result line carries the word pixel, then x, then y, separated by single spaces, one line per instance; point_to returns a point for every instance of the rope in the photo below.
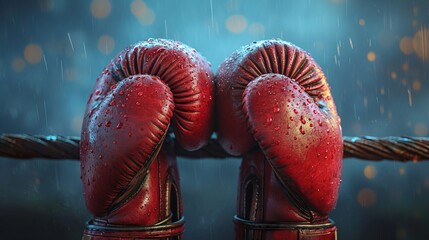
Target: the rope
pixel 402 149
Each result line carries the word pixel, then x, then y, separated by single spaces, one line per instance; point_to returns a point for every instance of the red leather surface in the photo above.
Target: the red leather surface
pixel 124 132
pixel 301 141
pixel 144 90
pixel 250 62
pixel 275 107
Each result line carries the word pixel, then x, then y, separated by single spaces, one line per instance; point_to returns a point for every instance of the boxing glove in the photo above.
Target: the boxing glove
pixel 275 109
pixel 128 165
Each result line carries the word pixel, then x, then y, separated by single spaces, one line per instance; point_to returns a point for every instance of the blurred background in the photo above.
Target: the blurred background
pixel 375 55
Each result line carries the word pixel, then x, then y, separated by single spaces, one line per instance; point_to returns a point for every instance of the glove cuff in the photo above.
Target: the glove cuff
pixel 100 230
pixel 245 229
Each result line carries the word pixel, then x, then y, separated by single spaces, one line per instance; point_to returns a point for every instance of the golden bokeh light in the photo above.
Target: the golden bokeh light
pixel 366 197
pixel 18 64
pixel 401 170
pixel 406 45
pixel 144 14
pixel 393 75
pixel 369 172
pixel 106 44
pixel 33 53
pixel 138 8
pixel 100 8
pixel 371 56
pixel 362 22
pixel 421 43
pixel 421 129
pixel 236 23
pixel 417 85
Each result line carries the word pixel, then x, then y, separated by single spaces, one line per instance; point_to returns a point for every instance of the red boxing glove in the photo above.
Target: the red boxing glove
pixel 275 107
pixel 129 172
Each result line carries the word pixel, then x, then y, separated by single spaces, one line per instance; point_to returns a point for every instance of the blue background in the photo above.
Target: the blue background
pixel 374 53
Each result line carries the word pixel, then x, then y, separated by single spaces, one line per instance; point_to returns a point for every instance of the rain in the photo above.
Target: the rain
pixel 375 55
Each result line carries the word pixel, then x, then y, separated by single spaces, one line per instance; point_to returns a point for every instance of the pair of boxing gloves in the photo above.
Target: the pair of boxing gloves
pixel 270 103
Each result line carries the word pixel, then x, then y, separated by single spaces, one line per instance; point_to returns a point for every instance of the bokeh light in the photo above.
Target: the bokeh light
pixel 106 44
pixel 18 64
pixel 144 14
pixel 371 56
pixel 421 43
pixel 33 53
pixel 421 129
pixel 100 8
pixel 417 85
pixel 236 23
pixel 406 45
pixel 367 197
pixel 370 172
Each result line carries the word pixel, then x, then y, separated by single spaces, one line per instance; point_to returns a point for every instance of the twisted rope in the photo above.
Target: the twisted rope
pixel 402 149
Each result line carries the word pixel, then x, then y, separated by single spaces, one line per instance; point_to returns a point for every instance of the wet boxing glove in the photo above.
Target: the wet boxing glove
pixel 128 165
pixel 275 108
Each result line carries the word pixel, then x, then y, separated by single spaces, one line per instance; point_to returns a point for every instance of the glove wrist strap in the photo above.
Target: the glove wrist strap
pixel 248 230
pixel 99 230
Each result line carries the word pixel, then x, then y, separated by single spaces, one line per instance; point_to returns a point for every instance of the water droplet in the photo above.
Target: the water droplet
pixel 100 124
pixel 269 120
pixel 107 111
pixel 291 118
pixel 138 103
pixel 295 111
pixel 301 130
pixel 97 92
pixel 276 109
pixel 112 103
pixel 140 94
pixel 319 122
pixel 119 125
pixel 108 123
pixel 121 93
pixel 303 120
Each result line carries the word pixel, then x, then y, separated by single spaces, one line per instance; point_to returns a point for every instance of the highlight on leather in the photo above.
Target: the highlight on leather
pixel 144 90
pixel 250 62
pixel 184 71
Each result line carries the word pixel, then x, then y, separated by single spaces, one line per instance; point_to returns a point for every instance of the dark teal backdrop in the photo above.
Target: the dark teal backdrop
pixel 374 53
